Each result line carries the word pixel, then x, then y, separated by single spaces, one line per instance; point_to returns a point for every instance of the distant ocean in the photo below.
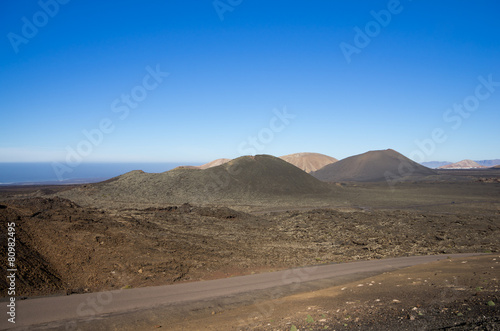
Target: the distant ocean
pixel 43 173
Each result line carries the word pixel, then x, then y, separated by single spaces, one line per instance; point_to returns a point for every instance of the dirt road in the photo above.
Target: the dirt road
pixel 101 310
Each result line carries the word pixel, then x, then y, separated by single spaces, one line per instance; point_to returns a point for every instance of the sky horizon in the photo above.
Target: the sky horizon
pixel 194 81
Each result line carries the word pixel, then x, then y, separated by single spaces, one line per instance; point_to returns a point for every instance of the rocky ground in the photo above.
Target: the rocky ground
pixel 74 246
pixel 65 248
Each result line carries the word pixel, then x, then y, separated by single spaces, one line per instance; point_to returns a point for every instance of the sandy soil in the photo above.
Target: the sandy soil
pixel 457 294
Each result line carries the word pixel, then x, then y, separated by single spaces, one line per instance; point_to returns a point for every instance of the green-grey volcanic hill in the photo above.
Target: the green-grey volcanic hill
pixel 247 178
pixel 373 166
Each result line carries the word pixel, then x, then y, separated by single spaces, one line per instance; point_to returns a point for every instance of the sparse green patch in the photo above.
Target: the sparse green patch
pixel 309 319
pixel 293 328
pixel 491 303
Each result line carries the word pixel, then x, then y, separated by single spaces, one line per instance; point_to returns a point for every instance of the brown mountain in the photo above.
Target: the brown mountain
pixel 309 162
pixel 464 164
pixel 243 179
pixel 213 163
pixel 373 166
pixel 210 164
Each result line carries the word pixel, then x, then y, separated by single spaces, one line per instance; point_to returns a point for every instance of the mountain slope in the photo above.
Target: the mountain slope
pixel 213 163
pixel 373 166
pixel 309 162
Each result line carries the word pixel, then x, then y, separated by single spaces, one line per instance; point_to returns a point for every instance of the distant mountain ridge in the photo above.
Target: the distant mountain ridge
pixel 437 164
pixel 489 163
pixel 464 164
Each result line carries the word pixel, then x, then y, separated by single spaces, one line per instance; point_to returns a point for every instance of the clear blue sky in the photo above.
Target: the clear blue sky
pixel 233 65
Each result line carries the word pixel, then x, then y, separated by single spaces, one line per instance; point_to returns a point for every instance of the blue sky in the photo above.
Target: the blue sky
pixel 247 77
